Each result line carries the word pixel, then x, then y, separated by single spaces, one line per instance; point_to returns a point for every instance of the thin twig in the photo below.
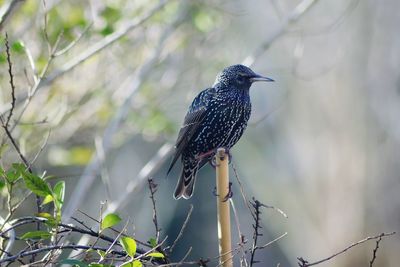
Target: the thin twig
pixel 115 241
pixel 290 19
pixel 304 263
pixel 182 228
pixel 272 241
pixel 107 41
pixel 62 247
pixel 111 228
pixel 374 252
pixel 153 190
pixel 256 226
pixel 242 239
pixel 11 75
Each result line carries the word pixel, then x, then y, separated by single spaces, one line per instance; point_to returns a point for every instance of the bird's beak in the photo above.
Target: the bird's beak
pixel 259 78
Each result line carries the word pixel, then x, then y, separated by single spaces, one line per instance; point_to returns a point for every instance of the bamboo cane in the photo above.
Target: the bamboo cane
pixel 224 222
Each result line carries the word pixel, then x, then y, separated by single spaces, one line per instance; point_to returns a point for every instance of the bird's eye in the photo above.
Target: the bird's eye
pixel 240 78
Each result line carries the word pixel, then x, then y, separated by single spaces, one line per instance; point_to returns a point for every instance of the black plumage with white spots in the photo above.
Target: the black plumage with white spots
pixel 216 118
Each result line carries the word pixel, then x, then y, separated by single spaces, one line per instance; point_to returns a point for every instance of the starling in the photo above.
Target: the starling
pixel 216 118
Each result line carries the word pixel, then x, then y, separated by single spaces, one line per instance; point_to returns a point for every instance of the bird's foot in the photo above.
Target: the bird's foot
pixel 210 155
pixel 230 193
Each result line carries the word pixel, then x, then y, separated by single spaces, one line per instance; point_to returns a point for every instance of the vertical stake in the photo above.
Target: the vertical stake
pixel 223 209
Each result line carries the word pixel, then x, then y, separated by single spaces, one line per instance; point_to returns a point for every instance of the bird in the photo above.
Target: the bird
pixel 216 118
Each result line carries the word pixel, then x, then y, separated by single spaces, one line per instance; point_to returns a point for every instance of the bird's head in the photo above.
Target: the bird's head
pixel 239 77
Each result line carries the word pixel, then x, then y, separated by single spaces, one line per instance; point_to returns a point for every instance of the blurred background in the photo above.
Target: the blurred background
pixel 108 83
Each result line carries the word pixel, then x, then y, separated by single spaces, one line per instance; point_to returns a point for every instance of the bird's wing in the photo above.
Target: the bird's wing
pixel 193 119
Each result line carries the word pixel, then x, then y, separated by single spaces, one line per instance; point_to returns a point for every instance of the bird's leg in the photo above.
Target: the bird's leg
pixel 210 155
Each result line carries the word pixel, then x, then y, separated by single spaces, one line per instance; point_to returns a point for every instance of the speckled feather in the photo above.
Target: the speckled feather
pixel 216 118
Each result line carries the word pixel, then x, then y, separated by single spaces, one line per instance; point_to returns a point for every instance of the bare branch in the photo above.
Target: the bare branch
pixel 10 73
pixel 304 263
pixel 374 252
pixel 182 228
pixel 153 190
pixel 293 17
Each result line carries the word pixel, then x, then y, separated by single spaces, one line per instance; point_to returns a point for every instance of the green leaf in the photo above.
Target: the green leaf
pixel 156 255
pixel 135 263
pixel 44 215
pixel 153 242
pixel 18 47
pixel 74 262
pixel 51 221
pixel 129 245
pixel 19 167
pixel 59 192
pixel 109 221
pixel 2 183
pixel 36 184
pixel 36 235
pixel 47 199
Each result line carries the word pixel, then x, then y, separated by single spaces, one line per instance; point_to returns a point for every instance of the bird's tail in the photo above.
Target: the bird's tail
pixel 185 185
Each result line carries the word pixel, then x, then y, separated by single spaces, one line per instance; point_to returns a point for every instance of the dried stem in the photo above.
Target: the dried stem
pixel 304 263
pixel 153 190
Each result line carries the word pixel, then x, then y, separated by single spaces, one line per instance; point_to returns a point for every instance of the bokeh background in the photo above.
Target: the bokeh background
pixel 322 144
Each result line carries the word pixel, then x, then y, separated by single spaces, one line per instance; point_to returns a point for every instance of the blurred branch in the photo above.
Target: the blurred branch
pixel 93 167
pixel 242 238
pixel 8 10
pixel 304 263
pixel 293 17
pixel 92 50
pixel 57 247
pixel 104 43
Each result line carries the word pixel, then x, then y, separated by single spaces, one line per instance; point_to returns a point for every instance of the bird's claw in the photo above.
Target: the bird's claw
pixel 230 193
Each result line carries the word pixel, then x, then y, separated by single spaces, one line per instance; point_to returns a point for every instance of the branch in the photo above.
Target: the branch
pixel 256 226
pixel 8 10
pixel 182 228
pixel 153 190
pixel 104 43
pixel 293 17
pixel 371 263
pixel 113 126
pixel 10 73
pixel 304 263
pixel 57 247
